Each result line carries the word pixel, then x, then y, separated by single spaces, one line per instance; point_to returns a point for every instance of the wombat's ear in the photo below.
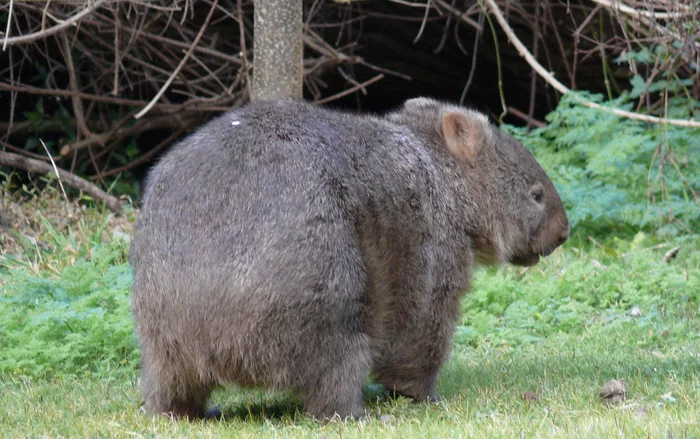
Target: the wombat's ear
pixel 464 133
pixel 418 103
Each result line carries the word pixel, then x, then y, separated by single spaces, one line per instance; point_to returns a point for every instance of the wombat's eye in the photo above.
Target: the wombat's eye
pixel 537 195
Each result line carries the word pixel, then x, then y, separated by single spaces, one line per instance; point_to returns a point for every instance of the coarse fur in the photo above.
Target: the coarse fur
pixel 289 246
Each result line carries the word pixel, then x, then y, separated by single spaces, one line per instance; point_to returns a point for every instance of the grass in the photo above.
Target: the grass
pixel 559 330
pixel 482 389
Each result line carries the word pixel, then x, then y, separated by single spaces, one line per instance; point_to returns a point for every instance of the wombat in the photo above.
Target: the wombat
pixel 289 246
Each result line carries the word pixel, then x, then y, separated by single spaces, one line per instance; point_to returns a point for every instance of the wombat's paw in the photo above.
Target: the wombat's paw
pixel 346 415
pixel 435 398
pixel 355 412
pixel 360 414
pixel 432 398
pixel 214 413
pixel 417 397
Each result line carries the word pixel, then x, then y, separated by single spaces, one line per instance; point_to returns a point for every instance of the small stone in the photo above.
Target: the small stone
pixel 613 392
pixel 636 312
pixel 668 397
pixel 641 412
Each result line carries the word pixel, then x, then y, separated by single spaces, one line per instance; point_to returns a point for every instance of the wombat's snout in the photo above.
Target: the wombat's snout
pixel 564 236
pixel 565 230
pixel 558 234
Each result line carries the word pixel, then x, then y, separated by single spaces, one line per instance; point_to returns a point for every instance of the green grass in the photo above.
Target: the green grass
pixel 68 358
pixel 482 389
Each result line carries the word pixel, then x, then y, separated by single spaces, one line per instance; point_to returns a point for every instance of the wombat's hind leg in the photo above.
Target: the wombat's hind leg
pixel 171 393
pixel 338 392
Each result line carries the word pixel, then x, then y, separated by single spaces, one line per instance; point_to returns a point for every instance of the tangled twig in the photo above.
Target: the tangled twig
pixel 43 33
pixel 547 76
pixel 39 167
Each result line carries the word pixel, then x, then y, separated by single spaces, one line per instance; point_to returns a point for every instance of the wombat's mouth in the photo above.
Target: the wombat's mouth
pixel 531 257
pixel 526 260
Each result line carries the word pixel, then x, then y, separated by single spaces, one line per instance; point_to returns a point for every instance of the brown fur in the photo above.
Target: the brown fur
pixel 293 247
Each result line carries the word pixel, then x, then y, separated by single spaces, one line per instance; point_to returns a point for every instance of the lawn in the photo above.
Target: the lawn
pixel 483 390
pixel 531 355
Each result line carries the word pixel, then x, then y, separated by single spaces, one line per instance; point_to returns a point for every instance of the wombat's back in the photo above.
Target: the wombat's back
pixel 219 201
pixel 250 190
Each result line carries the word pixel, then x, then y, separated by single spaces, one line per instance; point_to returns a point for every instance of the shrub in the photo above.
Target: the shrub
pixel 621 175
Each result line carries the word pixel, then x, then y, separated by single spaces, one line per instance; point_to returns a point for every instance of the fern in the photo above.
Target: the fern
pixel 619 174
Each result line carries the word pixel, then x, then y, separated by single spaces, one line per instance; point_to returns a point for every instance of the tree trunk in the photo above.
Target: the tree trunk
pixel 278 49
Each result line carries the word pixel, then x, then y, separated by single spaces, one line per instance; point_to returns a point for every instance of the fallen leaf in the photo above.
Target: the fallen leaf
pixel 529 396
pixel 671 254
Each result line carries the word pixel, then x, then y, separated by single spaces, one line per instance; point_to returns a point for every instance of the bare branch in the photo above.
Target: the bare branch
pixel 7 29
pixel 617 5
pixel 77 102
pixel 39 167
pixel 459 14
pixel 551 80
pixel 350 90
pixel 179 66
pixel 21 39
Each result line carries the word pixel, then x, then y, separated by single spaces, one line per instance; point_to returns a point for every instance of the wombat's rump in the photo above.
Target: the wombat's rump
pixel 294 247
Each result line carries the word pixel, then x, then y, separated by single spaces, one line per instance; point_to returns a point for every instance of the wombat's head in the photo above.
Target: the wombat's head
pixel 517 213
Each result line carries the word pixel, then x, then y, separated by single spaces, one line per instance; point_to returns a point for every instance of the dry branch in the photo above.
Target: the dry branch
pixel 77 102
pixel 350 90
pixel 551 80
pixel 180 65
pixel 28 38
pixel 617 5
pixel 459 14
pixel 38 167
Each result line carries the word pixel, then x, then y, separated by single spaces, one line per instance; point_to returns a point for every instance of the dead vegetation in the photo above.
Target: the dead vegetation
pixel 33 217
pixel 109 84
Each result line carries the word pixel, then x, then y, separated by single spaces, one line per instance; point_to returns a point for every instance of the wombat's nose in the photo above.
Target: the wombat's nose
pixel 564 236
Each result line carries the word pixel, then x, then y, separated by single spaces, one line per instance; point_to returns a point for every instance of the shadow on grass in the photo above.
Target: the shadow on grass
pixel 282 406
pixel 261 411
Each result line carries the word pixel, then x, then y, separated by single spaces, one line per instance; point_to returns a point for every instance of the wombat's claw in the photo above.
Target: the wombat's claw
pixel 432 399
pixel 436 399
pixel 214 413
